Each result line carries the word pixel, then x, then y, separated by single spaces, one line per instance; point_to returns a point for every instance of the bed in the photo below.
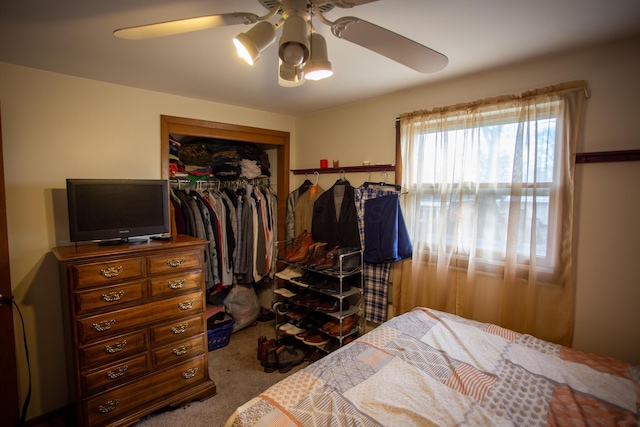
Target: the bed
pixel 427 368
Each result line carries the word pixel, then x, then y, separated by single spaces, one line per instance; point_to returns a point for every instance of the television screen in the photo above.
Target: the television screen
pixel 116 209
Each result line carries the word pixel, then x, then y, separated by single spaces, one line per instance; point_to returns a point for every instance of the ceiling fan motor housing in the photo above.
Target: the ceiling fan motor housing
pixel 294 42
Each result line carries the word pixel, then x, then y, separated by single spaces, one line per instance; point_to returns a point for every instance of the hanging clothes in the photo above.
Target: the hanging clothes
pixel 387 237
pixel 299 210
pixel 376 276
pixel 335 219
pixel 241 231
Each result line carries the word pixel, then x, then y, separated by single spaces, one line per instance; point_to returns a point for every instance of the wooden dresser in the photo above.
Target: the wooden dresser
pixel 137 332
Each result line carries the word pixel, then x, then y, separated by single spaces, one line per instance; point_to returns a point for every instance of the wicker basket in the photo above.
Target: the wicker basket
pixel 219 337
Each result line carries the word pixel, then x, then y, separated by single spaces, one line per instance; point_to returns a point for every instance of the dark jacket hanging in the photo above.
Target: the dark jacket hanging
pixel 327 226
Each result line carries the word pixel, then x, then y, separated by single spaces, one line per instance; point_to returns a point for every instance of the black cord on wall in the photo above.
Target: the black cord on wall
pixel 23 413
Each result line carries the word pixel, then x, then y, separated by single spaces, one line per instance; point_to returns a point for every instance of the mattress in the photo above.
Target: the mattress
pixel 429 368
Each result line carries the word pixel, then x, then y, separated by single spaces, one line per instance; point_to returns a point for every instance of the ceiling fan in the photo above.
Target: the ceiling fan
pixel 302 51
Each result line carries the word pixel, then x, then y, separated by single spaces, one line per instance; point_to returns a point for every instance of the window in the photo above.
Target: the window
pixel 488 181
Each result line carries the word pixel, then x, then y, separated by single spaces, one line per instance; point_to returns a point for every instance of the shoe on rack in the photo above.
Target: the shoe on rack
pixel 347 324
pixel 330 259
pixel 350 260
pixel 317 340
pixel 290 272
pixel 333 305
pixel 318 256
pixel 302 335
pixel 295 246
pixel 284 292
pixel 302 251
pixel 288 358
pixel 310 254
pixel 330 324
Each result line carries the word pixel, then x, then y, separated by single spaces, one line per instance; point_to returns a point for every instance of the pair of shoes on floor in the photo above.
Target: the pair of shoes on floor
pixel 283 359
pixel 263 345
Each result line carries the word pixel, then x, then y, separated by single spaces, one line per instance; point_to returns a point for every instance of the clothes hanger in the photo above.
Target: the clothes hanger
pixel 383 183
pixel 305 185
pixel 313 188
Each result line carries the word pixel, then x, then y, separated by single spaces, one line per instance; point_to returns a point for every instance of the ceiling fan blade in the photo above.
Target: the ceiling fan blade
pixel 349 3
pixel 179 26
pixel 389 44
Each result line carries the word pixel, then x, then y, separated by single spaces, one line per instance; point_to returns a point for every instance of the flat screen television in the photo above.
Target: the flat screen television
pixel 113 211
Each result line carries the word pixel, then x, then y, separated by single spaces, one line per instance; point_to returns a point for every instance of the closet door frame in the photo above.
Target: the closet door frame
pixel 208 129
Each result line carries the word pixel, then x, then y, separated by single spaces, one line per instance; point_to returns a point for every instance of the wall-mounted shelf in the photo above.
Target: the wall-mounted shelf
pixel 346 169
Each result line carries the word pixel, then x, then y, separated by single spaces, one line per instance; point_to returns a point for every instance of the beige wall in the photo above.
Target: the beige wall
pixel 607 254
pixel 56 126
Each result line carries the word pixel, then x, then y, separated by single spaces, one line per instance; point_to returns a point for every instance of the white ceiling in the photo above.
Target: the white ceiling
pixel 75 37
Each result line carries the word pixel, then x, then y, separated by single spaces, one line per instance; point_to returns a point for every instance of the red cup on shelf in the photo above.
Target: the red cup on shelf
pixel 324 163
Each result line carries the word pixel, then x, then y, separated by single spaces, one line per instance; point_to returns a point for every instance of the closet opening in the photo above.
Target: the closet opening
pixel 274 143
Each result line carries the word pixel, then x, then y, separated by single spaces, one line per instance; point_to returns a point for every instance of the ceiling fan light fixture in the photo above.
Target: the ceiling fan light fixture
pixel 318 67
pixel 251 44
pixel 294 42
pixel 290 75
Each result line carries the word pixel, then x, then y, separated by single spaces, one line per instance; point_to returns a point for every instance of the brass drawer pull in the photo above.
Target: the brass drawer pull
pixel 112 296
pixel 105 325
pixel 187 304
pixel 111 272
pixel 189 373
pixel 176 262
pixel 181 350
pixel 180 328
pixel 108 406
pixel 117 372
pixel 178 284
pixel 116 347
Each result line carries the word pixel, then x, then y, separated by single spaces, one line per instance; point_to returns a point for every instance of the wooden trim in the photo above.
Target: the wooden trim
pixel 207 129
pixel 608 156
pixel 371 168
pixel 9 393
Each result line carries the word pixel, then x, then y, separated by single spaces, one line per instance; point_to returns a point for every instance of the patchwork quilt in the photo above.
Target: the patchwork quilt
pixel 429 368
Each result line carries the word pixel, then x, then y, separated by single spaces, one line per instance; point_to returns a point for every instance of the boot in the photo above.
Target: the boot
pixel 318 255
pixel 288 358
pixel 295 246
pixel 303 250
pixel 261 341
pixel 271 360
pixel 266 346
pixel 329 259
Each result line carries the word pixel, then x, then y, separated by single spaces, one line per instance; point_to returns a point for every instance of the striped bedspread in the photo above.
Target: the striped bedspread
pixel 428 368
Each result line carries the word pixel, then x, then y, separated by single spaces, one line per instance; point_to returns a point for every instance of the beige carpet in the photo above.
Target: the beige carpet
pixel 238 376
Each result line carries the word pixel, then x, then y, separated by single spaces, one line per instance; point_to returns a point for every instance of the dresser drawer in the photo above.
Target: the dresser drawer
pixel 114 404
pixel 118 321
pixel 112 271
pixel 109 296
pixel 172 284
pixel 114 349
pixel 178 351
pixel 115 374
pixel 175 261
pixel 177 329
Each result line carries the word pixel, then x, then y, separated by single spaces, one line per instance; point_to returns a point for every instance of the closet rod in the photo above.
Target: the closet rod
pixel 608 156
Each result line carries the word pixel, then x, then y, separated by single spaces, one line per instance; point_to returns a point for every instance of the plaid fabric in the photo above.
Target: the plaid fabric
pixel 375 276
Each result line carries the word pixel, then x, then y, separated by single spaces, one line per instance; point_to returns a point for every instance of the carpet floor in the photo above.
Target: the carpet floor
pixel 238 376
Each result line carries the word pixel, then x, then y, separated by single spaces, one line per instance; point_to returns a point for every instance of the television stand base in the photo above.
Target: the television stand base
pixel 123 241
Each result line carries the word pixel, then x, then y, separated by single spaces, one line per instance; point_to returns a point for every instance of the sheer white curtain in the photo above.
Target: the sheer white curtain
pixel 490 209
